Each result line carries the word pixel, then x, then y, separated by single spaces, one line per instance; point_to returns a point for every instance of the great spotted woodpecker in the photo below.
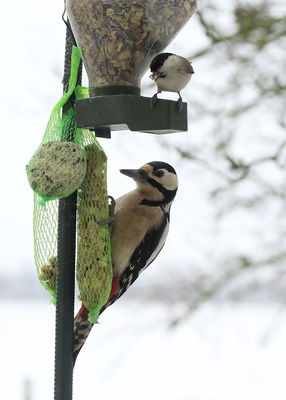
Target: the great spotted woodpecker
pixel 138 233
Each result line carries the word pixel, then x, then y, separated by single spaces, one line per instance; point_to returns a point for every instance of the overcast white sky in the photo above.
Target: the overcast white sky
pixel 222 353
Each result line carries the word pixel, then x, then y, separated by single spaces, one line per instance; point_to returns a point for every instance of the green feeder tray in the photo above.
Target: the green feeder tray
pixel 125 111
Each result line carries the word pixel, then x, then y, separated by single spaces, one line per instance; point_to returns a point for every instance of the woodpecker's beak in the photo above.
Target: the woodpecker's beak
pixel 137 174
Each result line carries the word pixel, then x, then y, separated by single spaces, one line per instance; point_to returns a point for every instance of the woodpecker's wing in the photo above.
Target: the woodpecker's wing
pixel 144 255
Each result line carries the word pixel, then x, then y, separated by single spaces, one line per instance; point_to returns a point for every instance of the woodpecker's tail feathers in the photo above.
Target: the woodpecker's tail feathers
pixel 82 328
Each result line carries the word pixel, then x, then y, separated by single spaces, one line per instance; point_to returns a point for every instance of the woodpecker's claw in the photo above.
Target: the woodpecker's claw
pixel 104 221
pixel 111 213
pixel 154 100
pixel 112 206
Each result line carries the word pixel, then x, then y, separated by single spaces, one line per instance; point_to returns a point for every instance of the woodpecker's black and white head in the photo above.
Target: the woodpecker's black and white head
pixel 157 182
pixel 171 74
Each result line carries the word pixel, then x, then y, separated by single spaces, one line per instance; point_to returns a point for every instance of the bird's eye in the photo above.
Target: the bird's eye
pixel 159 173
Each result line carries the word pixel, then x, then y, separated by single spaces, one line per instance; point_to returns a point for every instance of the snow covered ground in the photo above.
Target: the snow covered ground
pixel 226 351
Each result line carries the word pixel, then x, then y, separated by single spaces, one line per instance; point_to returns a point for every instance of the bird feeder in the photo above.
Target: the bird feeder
pixel 119 39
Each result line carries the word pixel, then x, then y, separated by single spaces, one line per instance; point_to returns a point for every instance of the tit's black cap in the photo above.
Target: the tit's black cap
pixel 159 60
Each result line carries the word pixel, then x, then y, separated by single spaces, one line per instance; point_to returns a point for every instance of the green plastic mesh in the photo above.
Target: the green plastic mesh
pixel 58 166
pixel 45 225
pixel 94 265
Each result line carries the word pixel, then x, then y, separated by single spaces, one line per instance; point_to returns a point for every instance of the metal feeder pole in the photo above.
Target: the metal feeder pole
pixel 65 271
pixel 106 109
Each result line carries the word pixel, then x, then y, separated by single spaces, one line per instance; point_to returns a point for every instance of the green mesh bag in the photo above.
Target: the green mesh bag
pixel 58 166
pixel 45 217
pixel 94 266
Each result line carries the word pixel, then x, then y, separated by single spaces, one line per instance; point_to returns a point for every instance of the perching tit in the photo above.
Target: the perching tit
pixel 171 74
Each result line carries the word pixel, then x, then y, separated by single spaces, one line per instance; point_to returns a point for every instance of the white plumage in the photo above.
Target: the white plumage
pixel 171 74
pixel 138 233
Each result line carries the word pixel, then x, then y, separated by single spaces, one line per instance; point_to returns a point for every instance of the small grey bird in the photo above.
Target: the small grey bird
pixel 171 74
